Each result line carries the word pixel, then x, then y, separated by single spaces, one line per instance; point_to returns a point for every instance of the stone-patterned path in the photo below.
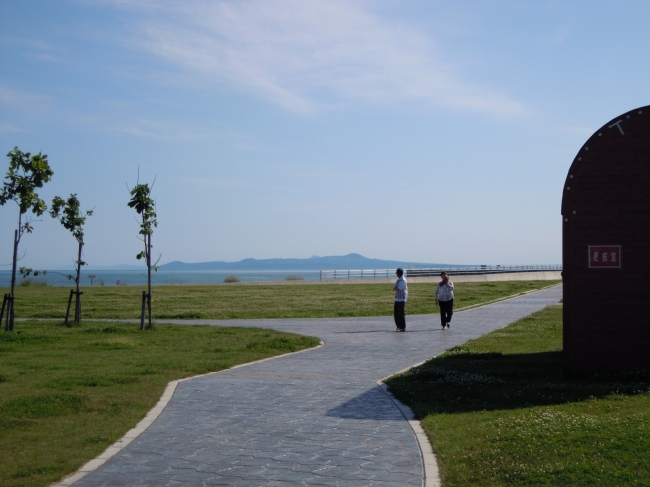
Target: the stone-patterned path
pixel 312 418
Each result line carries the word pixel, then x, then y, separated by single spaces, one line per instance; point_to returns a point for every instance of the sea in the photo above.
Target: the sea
pixel 139 277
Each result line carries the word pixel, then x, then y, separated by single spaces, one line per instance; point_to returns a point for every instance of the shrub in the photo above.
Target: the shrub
pixel 294 278
pixel 32 282
pixel 231 279
pixel 174 281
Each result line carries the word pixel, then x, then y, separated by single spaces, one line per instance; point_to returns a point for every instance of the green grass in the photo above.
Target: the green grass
pixel 68 393
pixel 499 411
pixel 255 301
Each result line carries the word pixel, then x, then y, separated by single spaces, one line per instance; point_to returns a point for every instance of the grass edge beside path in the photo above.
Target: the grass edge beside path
pixel 66 394
pixel 499 411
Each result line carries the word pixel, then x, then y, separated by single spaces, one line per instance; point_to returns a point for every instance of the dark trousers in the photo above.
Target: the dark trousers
pixel 400 314
pixel 446 310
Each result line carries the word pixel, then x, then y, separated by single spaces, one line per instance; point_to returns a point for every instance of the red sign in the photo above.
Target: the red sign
pixel 604 256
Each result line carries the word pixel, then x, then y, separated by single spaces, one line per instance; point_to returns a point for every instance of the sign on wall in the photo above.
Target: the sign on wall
pixel 605 256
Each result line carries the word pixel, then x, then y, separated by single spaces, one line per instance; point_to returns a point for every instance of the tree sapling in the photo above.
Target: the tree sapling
pixel 145 206
pixel 68 212
pixel 26 173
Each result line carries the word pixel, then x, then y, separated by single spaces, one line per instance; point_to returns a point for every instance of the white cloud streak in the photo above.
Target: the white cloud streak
pixel 175 131
pixel 306 55
pixel 23 103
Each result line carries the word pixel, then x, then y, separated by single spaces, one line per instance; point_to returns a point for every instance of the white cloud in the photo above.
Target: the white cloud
pixel 32 47
pixel 175 130
pixel 9 128
pixel 23 101
pixel 303 55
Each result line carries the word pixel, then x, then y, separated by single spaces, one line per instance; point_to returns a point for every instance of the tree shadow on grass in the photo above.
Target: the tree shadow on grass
pixel 460 381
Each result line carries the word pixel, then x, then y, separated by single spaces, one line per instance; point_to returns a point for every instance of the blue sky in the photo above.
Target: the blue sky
pixel 425 131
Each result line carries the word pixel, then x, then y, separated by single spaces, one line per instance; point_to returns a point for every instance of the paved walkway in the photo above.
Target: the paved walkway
pixel 313 418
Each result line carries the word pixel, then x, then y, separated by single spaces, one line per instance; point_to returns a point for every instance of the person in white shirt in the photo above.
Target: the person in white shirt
pixel 445 299
pixel 401 292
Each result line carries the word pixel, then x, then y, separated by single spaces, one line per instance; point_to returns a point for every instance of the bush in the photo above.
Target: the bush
pixel 32 282
pixel 231 279
pixel 175 282
pixel 294 278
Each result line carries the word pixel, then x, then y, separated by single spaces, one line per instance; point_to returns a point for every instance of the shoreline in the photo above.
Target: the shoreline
pixel 513 276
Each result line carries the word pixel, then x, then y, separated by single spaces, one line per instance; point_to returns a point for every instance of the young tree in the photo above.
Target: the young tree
pixel 72 218
pixel 145 206
pixel 26 173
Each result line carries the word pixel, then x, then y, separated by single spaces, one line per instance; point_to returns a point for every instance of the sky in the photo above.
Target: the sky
pixel 420 131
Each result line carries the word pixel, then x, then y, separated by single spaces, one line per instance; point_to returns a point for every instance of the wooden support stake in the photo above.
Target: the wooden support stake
pixel 67 311
pixel 149 305
pixel 10 313
pixel 144 301
pixel 2 312
pixel 77 307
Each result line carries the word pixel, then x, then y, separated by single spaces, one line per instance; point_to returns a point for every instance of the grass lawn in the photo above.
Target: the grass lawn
pixel 68 393
pixel 499 411
pixel 255 301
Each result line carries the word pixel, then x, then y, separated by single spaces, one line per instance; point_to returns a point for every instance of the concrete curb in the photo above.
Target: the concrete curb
pixel 430 471
pixel 147 421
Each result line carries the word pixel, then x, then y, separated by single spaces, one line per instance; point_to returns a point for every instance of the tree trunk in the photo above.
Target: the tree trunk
pixel 77 307
pixel 149 277
pixel 10 311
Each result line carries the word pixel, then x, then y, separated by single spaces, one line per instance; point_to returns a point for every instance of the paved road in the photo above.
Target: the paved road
pixel 312 418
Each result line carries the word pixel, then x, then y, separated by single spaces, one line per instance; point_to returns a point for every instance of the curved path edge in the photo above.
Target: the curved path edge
pixel 430 471
pixel 148 420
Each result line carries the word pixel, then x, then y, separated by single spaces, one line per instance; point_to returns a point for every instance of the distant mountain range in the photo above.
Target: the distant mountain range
pixel 350 261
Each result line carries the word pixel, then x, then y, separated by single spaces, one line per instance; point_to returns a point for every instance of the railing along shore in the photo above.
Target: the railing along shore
pixel 453 271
